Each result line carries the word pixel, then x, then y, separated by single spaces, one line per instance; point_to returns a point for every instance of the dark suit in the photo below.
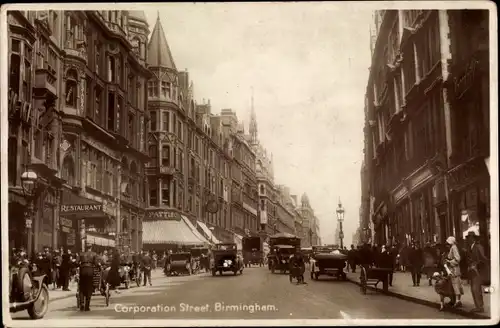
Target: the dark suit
pixel 88 260
pixel 416 260
pixel 478 265
pixel 147 262
pixel 65 270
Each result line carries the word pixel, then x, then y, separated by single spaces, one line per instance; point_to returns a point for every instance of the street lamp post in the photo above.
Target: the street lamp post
pixel 340 218
pixel 29 181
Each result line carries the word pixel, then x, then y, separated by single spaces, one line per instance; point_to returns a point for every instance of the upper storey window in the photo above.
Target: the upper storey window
pixel 111 69
pixel 152 88
pixel 166 89
pixel 71 88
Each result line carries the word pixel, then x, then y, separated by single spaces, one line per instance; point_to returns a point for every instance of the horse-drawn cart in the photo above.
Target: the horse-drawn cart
pixel 374 276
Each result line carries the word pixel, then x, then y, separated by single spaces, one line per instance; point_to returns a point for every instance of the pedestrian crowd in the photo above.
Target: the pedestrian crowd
pixel 445 266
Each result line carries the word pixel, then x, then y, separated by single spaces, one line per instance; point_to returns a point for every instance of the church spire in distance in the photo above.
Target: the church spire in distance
pixel 253 123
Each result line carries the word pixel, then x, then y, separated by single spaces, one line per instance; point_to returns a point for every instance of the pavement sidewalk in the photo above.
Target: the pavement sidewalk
pixel 402 287
pixel 59 294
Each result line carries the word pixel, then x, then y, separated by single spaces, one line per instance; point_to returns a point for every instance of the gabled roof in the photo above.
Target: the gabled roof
pixel 159 54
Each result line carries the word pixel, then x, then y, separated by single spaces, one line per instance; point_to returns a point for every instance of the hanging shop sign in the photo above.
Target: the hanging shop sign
pixel 79 209
pixel 65 222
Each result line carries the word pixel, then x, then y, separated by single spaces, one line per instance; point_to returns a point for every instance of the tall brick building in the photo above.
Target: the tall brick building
pixel 427 125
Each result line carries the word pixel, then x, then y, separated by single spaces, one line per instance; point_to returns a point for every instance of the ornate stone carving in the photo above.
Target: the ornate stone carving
pixel 141 134
pixel 82 96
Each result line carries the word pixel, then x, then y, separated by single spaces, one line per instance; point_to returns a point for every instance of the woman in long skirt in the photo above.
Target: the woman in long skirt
pixel 453 263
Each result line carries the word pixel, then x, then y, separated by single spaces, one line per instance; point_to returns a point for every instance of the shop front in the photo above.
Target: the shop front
pixel 80 216
pixel 169 229
pixel 470 197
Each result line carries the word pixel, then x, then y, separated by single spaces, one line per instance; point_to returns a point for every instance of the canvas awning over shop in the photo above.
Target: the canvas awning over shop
pixel 177 232
pixel 194 230
pixel 208 232
pixel 284 235
pixel 93 239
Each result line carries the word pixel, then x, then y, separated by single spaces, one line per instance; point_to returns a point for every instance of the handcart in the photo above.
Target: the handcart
pixel 100 284
pixel 373 276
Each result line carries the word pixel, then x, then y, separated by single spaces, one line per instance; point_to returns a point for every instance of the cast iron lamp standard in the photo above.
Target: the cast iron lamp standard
pixel 340 219
pixel 30 184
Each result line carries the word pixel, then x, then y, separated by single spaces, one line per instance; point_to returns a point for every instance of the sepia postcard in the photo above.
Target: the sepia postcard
pixel 249 164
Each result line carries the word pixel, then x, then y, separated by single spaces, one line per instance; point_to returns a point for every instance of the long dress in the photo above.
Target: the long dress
pixel 114 275
pixel 454 265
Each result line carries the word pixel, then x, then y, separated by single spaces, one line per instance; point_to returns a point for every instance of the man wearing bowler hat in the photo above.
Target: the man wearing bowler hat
pixel 477 267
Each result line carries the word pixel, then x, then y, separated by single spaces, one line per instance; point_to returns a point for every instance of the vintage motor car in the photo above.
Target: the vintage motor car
pixel 180 263
pixel 280 260
pixel 331 264
pixel 252 251
pixel 26 290
pixel 224 258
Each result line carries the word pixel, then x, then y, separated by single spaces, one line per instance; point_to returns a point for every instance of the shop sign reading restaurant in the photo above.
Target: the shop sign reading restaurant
pixel 66 209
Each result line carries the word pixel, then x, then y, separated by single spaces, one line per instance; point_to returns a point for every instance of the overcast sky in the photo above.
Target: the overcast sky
pixel 308 64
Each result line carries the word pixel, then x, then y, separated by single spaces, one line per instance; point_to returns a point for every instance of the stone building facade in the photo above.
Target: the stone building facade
pixel 427 125
pixel 78 121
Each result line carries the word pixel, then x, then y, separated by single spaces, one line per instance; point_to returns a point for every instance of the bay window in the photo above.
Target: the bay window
pixel 153 195
pixel 165 155
pixel 153 153
pixel 153 121
pixel 165 192
pixel 152 88
pixel 165 121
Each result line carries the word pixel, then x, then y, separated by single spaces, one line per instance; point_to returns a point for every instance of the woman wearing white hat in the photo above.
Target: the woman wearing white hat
pixel 453 263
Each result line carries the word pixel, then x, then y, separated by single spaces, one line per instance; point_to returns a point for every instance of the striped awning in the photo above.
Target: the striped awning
pixel 93 239
pixel 208 232
pixel 177 232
